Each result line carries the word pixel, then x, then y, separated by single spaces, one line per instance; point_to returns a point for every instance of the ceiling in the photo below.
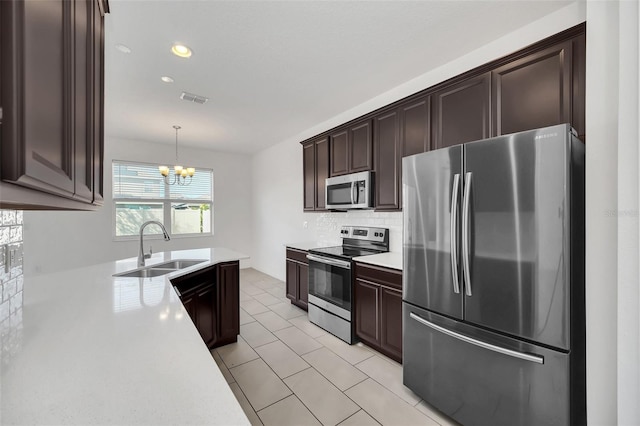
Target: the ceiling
pixel 274 69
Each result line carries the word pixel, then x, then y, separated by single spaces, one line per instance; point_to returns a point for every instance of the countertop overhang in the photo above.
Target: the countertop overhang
pixel 90 348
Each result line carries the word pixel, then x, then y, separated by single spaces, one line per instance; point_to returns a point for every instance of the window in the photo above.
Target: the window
pixel 140 194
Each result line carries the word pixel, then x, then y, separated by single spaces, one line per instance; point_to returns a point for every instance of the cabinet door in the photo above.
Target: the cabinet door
pixel 339 153
pixel 205 301
pixel 534 91
pixel 309 175
pixel 292 280
pixel 37 148
pixel 461 112
pixel 387 154
pixel 366 305
pixel 98 100
pixel 228 309
pixel 303 285
pixel 189 303
pixel 391 322
pixel 360 150
pixel 83 105
pixel 578 90
pixel 415 122
pixel 322 171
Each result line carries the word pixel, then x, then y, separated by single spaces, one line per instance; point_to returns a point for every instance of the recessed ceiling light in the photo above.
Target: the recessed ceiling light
pixel 181 50
pixel 123 48
pixel 166 79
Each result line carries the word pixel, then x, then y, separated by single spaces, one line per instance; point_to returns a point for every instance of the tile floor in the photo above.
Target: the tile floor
pixel 286 371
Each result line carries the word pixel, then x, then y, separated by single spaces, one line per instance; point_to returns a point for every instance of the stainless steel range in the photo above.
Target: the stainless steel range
pixel 331 278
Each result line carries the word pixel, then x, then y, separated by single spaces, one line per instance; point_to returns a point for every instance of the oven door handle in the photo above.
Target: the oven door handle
pixel 333 262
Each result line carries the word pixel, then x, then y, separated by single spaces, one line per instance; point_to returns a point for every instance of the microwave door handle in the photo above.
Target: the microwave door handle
pixel 353 197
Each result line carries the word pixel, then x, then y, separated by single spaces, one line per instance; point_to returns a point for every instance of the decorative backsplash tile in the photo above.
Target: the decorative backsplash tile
pixel 328 225
pixel 11 282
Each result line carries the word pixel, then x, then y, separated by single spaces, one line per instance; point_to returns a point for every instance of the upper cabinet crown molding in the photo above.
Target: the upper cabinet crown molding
pixel 540 85
pixel 51 94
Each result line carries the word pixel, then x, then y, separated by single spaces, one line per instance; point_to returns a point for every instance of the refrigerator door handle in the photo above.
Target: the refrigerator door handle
pixel 453 234
pixel 524 356
pixel 465 233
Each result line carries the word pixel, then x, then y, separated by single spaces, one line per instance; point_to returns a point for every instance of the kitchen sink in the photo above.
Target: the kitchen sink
pixel 178 264
pixel 160 268
pixel 146 272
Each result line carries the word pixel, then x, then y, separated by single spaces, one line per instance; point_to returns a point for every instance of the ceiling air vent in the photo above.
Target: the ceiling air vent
pixel 193 98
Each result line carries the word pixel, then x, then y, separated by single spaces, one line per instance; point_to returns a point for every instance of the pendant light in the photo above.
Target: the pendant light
pixel 181 175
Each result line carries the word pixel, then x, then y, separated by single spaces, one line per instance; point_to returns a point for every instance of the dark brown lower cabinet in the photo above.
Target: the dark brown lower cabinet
pixel 298 278
pixel 378 308
pixel 211 298
pixel 228 298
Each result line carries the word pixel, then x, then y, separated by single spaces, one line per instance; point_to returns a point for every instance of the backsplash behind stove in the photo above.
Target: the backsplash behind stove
pixel 328 225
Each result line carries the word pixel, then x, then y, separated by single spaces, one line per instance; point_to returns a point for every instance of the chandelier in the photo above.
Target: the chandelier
pixel 181 175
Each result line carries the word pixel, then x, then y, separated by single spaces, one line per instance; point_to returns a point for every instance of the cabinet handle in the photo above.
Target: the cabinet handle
pixel 177 291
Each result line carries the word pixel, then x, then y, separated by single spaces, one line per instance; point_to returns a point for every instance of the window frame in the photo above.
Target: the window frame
pixel 150 232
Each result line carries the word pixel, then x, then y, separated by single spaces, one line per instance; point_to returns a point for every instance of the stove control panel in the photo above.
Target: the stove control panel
pixel 365 233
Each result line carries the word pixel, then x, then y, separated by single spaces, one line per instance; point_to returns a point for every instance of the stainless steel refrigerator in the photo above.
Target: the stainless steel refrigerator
pixel 493 279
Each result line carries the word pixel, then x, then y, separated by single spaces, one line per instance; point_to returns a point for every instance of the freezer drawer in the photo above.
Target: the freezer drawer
pixel 502 382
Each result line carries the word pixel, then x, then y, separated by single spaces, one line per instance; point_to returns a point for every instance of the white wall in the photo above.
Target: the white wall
pixel 59 240
pixel 613 300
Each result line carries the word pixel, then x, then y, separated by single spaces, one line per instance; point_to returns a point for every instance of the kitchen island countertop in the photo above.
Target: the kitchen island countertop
pixel 85 347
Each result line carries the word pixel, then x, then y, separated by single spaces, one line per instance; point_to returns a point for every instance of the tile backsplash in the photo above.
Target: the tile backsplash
pixel 328 225
pixel 11 281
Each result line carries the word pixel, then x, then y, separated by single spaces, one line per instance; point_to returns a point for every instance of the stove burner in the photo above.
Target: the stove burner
pixel 344 252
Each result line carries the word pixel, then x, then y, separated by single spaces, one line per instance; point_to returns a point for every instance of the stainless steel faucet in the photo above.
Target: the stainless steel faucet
pixel 141 254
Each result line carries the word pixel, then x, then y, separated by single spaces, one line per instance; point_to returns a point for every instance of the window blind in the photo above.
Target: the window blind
pixel 143 181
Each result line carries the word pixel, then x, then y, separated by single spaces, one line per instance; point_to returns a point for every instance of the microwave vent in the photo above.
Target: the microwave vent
pixel 186 96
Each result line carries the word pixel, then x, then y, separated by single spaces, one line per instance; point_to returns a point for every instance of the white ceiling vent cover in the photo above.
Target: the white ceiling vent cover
pixel 185 96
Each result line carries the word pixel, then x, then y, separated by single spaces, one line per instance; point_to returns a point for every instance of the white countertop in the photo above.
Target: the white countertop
pixel 89 348
pixel 390 259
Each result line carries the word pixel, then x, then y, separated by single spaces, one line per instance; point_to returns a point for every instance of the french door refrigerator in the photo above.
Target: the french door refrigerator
pixel 493 279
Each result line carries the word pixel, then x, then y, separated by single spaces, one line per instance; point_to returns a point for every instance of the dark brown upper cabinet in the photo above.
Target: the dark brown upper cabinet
pixel 415 122
pixel 387 154
pixel 315 156
pixel 351 149
pixel 461 112
pixel 534 91
pixel 52 103
pixel 540 85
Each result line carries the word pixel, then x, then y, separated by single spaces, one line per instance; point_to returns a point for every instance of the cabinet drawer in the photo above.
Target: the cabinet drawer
pixel 384 276
pixel 297 255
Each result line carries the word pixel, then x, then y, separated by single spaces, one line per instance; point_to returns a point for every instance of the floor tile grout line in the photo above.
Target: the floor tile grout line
pixel 250 404
pixel 331 383
pixel 383 385
pixel 355 365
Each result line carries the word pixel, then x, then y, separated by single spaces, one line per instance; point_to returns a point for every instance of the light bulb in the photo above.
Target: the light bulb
pixel 164 170
pixel 191 171
pixel 177 169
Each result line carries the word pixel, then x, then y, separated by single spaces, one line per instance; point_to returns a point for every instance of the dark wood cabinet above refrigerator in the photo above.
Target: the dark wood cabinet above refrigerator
pixel 52 102
pixel 540 85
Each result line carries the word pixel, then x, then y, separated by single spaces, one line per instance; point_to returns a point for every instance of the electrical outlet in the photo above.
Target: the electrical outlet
pixel 13 256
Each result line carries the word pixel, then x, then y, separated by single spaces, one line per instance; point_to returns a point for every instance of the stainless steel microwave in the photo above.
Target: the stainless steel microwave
pixel 353 191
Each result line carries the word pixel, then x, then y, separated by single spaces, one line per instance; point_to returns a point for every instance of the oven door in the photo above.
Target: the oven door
pixel 330 284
